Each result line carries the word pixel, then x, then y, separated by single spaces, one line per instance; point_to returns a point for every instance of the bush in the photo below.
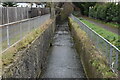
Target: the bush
pixel 109 12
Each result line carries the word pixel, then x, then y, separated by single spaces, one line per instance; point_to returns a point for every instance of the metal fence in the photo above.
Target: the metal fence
pixel 13 32
pixel 108 50
pixel 12 14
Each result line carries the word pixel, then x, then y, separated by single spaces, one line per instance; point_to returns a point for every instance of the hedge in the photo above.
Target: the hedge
pixel 108 12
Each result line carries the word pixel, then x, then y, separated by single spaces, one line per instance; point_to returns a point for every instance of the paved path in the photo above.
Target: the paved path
pixel 63 61
pixel 112 29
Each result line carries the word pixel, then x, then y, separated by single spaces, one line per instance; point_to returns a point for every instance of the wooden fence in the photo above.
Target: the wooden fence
pixel 12 14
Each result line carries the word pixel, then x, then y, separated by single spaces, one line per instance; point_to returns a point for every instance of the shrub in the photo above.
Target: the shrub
pixel 109 12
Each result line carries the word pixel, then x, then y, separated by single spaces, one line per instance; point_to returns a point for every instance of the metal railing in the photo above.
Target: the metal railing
pixel 108 50
pixel 11 33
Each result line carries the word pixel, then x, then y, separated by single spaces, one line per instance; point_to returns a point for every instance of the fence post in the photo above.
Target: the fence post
pixel 1 16
pixel 29 19
pixel 110 56
pixel 33 23
pixel 107 52
pixel 23 10
pixel 1 33
pixel 16 13
pixel 91 35
pixel 20 31
pixel 27 11
pixel 22 13
pixel 38 21
pixel 8 39
pixel 116 61
pixel 21 23
pixel 96 41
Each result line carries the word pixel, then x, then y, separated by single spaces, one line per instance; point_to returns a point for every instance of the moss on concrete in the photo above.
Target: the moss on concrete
pixel 10 55
pixel 95 62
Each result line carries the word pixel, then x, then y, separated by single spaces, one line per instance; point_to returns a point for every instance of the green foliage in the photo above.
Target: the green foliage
pixel 108 12
pixel 97 61
pixel 111 37
pixel 9 4
pixel 84 6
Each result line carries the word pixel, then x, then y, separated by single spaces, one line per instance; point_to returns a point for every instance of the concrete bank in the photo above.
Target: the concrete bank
pixel 27 58
pixel 63 60
pixel 94 64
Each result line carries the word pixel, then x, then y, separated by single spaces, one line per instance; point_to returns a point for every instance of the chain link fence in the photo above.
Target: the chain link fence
pixel 14 32
pixel 108 50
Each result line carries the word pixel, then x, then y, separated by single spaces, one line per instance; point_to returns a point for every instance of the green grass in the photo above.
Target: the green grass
pixel 111 37
pixel 110 24
pixel 94 57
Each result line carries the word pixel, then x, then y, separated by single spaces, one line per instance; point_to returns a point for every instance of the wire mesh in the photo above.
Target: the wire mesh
pixel 108 50
pixel 13 32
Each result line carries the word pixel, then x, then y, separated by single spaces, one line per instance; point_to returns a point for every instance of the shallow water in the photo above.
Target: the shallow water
pixel 63 60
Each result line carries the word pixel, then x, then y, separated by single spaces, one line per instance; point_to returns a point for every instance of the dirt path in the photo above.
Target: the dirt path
pixel 112 29
pixel 63 61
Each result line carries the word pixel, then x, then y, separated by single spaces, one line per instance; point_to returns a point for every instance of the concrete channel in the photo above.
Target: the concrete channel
pixel 63 60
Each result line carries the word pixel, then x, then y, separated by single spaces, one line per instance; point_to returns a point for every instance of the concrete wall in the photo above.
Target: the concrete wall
pixel 94 64
pixel 31 59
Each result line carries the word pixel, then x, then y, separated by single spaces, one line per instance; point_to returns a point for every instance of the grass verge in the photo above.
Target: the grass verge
pixel 87 50
pixel 111 37
pixel 110 24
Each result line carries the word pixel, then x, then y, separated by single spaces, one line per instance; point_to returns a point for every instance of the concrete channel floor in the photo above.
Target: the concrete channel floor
pixel 63 60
